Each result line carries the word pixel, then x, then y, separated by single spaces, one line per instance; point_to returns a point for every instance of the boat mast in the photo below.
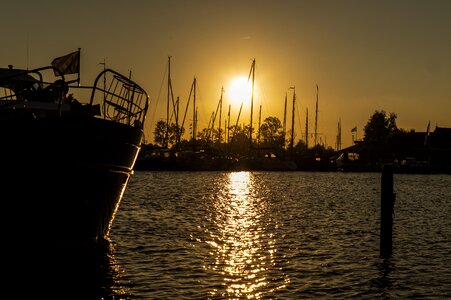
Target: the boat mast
pixel 194 129
pixel 228 125
pixel 285 122
pixel 252 72
pixel 292 121
pixel 316 116
pixel 259 124
pixel 177 128
pixel 338 146
pixel 220 116
pixel 194 114
pixel 192 91
pixel 306 128
pixel 236 126
pixel 166 139
pixel 213 119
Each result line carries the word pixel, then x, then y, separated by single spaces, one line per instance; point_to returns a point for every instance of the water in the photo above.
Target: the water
pixel 257 235
pixel 251 235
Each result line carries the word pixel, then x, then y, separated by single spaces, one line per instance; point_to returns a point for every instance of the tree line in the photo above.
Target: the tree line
pixel 267 138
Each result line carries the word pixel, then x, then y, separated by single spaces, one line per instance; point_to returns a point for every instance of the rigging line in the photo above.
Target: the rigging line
pixel 158 98
pixel 198 99
pixel 299 119
pixel 187 104
pixel 235 128
pixel 213 121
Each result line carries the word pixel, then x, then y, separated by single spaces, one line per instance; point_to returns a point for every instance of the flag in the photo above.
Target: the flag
pixel 67 64
pixel 354 129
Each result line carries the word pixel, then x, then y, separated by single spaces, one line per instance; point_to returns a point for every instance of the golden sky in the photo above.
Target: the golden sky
pixel 364 55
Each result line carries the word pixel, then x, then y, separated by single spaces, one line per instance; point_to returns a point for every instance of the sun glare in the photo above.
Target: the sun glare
pixel 239 90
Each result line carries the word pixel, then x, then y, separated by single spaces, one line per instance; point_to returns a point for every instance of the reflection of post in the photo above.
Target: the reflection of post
pixel 387 204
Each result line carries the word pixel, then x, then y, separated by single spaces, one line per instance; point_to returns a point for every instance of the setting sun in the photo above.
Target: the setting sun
pixel 239 90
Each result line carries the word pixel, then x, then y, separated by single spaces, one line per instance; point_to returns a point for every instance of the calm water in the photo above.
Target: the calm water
pixel 251 235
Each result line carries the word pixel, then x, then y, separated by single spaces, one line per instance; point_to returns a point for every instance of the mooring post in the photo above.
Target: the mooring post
pixel 387 205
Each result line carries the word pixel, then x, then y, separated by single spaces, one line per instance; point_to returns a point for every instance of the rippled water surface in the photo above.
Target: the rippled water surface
pixel 256 235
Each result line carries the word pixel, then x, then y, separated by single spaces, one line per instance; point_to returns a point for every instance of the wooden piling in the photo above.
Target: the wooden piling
pixel 387 206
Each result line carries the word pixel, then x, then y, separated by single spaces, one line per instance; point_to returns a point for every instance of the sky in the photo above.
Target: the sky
pixel 363 55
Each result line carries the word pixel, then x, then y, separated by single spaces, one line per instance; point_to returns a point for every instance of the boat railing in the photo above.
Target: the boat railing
pixel 122 99
pixel 25 85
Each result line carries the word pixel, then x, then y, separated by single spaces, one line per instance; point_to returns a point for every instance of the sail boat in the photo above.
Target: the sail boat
pixel 256 161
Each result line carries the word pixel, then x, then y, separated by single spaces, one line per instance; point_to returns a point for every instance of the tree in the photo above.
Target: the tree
pixel 378 133
pixel 271 132
pixel 205 136
pixel 159 134
pixel 239 139
pixel 172 133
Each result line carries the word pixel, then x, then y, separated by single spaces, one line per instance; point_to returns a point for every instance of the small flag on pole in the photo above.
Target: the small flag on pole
pixel 67 64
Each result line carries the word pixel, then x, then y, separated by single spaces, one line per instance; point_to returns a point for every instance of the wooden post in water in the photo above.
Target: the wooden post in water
pixel 387 205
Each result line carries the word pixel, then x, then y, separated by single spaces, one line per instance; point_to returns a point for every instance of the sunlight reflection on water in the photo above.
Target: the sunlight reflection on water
pixel 243 250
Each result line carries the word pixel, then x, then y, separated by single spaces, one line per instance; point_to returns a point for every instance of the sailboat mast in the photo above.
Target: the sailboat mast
pixel 316 116
pixel 292 121
pixel 194 129
pixel 220 116
pixel 306 128
pixel 228 125
pixel 178 131
pixel 259 124
pixel 252 101
pixel 194 113
pixel 338 146
pixel 236 126
pixel 285 121
pixel 167 106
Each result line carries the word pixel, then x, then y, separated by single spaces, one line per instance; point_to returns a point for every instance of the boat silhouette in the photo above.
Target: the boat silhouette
pixel 66 162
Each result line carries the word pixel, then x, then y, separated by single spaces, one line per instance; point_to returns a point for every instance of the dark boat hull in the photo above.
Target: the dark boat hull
pixel 63 178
